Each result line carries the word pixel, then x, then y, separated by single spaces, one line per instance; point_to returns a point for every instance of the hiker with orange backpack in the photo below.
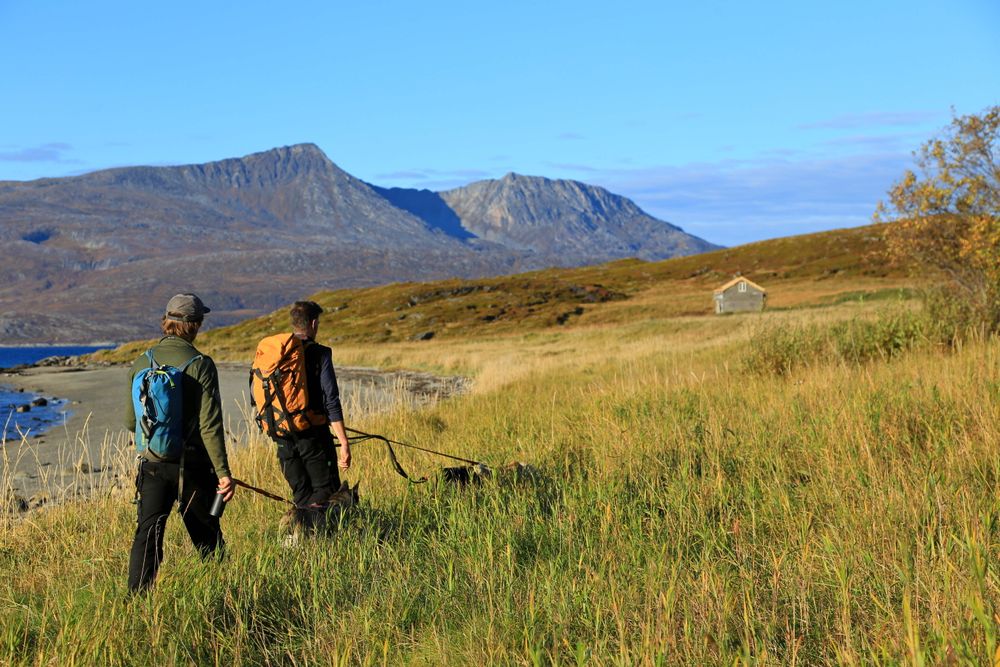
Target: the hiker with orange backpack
pixel 297 401
pixel 175 413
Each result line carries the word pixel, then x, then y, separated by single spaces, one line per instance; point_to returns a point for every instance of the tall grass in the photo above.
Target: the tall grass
pixel 786 347
pixel 686 513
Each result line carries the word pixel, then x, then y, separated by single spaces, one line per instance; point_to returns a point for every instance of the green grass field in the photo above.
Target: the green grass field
pixel 693 506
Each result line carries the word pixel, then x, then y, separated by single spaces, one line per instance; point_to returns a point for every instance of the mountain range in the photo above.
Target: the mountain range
pixel 94 257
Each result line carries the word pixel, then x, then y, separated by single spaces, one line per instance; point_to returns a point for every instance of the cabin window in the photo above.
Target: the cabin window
pixel 743 286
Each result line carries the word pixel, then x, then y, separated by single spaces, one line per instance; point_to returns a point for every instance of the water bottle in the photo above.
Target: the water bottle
pixel 218 506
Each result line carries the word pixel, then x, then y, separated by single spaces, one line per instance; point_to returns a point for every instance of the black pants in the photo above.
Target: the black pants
pixel 156 490
pixel 309 466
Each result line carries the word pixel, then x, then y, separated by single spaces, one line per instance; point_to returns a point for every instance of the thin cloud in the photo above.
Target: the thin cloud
pixel 468 173
pixel 402 175
pixel 784 152
pixel 874 119
pixel 50 152
pixel 732 201
pixel 738 201
pixel 441 185
pixel 884 142
pixel 570 136
pixel 569 166
pixel 434 175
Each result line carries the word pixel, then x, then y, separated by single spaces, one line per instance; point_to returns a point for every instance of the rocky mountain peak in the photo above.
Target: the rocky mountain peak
pixel 565 218
pixel 272 166
pixel 513 179
pixel 299 156
pixel 254 232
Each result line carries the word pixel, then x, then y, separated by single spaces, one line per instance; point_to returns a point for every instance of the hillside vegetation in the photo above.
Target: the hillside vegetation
pixel 805 270
pixel 690 506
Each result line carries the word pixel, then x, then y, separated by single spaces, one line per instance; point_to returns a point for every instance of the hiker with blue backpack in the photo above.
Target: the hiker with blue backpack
pixel 175 413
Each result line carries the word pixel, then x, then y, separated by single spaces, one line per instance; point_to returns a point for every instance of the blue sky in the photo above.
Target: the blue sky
pixel 737 121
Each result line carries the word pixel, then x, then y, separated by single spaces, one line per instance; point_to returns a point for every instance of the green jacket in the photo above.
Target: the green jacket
pixel 202 402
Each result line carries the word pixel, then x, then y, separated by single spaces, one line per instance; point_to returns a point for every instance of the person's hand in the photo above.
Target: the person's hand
pixel 227 488
pixel 344 460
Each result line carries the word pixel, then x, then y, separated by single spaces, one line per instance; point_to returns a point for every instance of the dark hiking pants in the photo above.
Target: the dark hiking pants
pixel 156 491
pixel 310 467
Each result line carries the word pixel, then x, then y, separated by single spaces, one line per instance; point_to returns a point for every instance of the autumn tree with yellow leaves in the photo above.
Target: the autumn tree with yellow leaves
pixel 947 216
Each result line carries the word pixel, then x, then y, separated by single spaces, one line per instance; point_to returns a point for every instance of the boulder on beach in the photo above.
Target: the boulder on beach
pixel 59 360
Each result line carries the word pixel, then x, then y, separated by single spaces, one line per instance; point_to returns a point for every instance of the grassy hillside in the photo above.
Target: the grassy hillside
pixel 802 270
pixel 691 507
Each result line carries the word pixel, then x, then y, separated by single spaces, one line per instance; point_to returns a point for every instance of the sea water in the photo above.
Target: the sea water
pixel 17 356
pixel 13 424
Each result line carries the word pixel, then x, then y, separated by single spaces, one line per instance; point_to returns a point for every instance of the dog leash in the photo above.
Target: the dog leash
pixel 266 494
pixel 272 496
pixel 361 436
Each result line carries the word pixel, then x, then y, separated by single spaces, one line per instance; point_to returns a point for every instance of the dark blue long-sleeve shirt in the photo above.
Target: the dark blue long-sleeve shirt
pixel 321 381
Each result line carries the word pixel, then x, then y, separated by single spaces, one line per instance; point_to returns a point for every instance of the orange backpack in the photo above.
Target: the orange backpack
pixel 278 387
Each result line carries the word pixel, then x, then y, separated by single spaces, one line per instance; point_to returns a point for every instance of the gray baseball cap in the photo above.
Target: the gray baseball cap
pixel 186 308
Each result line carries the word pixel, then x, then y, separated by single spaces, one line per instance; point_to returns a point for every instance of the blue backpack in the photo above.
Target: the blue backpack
pixel 157 398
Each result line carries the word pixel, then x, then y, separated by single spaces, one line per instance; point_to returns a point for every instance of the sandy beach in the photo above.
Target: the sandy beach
pixel 82 452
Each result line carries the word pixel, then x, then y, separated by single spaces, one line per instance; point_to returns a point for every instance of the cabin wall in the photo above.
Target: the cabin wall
pixel 734 301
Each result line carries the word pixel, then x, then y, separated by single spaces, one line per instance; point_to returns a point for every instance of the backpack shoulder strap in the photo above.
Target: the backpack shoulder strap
pixel 307 345
pixel 190 361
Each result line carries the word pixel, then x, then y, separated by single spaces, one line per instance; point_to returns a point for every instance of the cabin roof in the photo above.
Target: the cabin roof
pixel 736 280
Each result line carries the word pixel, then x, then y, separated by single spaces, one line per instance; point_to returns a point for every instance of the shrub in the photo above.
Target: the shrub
pixel 779 350
pixel 951 318
pixel 947 218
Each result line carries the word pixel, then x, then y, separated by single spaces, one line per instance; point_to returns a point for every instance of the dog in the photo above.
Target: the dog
pixel 319 518
pixel 515 473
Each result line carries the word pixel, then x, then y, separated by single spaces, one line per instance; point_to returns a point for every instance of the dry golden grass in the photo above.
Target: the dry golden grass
pixel 686 511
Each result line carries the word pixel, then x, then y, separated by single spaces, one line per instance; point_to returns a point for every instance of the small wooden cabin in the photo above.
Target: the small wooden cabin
pixel 740 295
